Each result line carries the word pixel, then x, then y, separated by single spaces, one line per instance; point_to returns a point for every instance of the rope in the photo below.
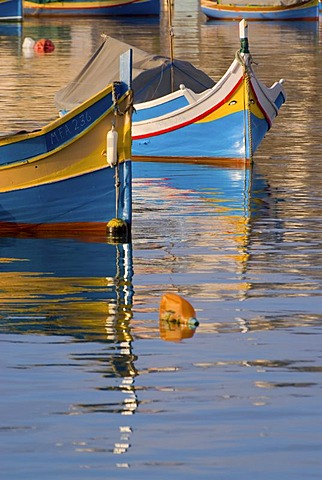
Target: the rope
pixel 248 133
pixel 117 113
pixel 247 106
pixel 115 97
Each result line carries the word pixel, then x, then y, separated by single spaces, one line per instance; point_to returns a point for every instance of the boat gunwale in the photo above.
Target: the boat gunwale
pixel 169 117
pixel 17 137
pixel 213 5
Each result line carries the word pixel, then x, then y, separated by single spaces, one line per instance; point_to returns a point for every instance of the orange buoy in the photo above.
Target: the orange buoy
pixel 44 45
pixel 174 308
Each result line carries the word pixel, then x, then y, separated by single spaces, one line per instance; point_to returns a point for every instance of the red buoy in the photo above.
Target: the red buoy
pixel 44 45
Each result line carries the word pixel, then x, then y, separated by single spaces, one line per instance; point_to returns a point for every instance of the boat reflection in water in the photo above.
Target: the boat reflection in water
pixel 200 220
pixel 64 286
pixel 82 291
pixel 200 217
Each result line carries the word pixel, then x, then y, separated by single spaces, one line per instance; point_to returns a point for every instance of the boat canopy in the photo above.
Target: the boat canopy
pixel 151 75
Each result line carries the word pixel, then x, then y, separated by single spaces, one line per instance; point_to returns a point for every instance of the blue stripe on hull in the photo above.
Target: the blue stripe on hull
pixel 86 198
pixel 223 138
pixel 292 14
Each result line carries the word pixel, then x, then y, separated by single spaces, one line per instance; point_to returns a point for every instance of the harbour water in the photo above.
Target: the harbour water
pixel 93 386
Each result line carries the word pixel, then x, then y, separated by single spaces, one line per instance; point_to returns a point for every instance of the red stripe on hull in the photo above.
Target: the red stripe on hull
pixel 193 120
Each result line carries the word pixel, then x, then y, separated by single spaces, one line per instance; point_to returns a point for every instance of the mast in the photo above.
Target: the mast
pixel 171 37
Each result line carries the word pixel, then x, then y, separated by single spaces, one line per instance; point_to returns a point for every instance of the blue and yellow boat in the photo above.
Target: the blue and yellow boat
pixel 11 10
pixel 261 10
pixel 106 8
pixel 227 121
pixel 182 113
pixel 75 172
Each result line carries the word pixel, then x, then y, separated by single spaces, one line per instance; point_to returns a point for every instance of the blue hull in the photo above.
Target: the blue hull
pixel 310 12
pixel 90 198
pixel 11 10
pixel 223 138
pixel 74 172
pixel 147 7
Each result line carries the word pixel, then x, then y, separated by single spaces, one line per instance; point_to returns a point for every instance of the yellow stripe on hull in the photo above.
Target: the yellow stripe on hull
pixel 234 104
pixel 84 154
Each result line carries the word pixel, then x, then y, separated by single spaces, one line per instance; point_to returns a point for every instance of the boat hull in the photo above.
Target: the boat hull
pixel 88 198
pixel 228 121
pixel 92 8
pixel 306 10
pixel 58 176
pixel 11 10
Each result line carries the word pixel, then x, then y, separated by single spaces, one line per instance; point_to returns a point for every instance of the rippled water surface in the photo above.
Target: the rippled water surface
pixel 93 386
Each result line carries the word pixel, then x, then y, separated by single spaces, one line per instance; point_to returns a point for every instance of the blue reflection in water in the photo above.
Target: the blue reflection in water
pixel 86 393
pixel 55 281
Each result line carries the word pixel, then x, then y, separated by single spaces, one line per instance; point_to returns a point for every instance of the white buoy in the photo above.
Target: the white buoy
pixel 28 47
pixel 111 147
pixel 28 43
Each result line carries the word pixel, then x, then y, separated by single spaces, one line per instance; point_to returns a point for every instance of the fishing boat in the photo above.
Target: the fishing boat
pixel 11 10
pixel 261 9
pixel 75 172
pixel 180 112
pixel 106 8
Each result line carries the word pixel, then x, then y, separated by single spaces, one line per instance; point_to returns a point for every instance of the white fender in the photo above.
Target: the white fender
pixel 111 147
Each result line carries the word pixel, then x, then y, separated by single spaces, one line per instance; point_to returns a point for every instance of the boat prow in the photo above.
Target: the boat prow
pixel 60 177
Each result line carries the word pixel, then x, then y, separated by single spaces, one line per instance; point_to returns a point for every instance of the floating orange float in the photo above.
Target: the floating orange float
pixel 174 308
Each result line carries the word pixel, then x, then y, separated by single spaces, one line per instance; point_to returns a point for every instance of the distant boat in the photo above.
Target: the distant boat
pixel 261 9
pixel 182 113
pixel 39 8
pixel 75 172
pixel 11 10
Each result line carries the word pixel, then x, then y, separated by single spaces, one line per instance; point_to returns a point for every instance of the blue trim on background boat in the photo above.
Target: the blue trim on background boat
pixel 11 10
pixel 290 14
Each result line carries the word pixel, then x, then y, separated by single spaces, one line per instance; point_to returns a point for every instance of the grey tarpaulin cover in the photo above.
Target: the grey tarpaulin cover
pixel 151 75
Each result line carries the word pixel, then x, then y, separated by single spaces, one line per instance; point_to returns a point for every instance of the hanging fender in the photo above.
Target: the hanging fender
pixel 111 147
